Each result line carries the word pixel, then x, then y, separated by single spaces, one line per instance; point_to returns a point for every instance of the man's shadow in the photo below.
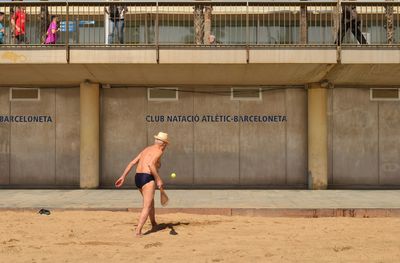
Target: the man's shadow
pixel 163 226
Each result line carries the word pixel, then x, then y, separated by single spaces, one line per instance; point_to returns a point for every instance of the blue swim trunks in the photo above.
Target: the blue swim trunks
pixel 143 178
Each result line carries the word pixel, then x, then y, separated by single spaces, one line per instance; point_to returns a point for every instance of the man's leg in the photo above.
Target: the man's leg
pixel 341 33
pixel 357 33
pixel 148 197
pixel 24 40
pixel 111 32
pixel 121 31
pixel 345 27
pixel 21 39
pixel 152 213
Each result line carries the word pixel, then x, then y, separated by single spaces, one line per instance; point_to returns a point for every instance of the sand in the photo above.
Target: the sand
pixel 108 237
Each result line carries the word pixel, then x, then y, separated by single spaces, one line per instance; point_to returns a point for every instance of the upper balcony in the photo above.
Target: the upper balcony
pixel 236 32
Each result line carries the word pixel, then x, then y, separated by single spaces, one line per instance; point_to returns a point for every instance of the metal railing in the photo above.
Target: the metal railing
pixel 208 23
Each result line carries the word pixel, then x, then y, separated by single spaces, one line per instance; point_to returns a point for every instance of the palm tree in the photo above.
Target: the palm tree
pixel 303 25
pixel 207 24
pixel 198 20
pixel 44 23
pixel 389 24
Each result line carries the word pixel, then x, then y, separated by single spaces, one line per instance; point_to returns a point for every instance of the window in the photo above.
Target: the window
pixel 162 94
pixel 24 94
pixel 385 94
pixel 246 93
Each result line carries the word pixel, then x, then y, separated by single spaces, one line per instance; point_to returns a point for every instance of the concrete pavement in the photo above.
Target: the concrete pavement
pixel 363 203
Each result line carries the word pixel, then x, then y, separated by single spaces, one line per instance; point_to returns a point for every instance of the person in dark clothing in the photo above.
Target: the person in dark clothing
pixel 116 22
pixel 350 21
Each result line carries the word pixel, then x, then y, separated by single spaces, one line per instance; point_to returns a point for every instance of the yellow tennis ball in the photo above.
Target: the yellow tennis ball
pixel 173 175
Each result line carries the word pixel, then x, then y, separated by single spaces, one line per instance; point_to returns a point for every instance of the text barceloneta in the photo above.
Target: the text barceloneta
pixel 216 118
pixel 25 119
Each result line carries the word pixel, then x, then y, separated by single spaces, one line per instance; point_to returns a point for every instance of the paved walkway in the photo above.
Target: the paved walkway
pixel 255 199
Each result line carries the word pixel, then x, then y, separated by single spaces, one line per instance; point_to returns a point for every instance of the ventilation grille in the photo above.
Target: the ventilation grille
pixel 385 94
pixel 162 94
pixel 17 94
pixel 246 94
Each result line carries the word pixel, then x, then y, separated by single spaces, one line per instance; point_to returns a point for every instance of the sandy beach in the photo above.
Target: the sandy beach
pixel 73 236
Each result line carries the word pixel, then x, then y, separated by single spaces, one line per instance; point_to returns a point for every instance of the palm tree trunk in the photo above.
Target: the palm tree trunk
pixel 44 23
pixel 207 24
pixel 303 25
pixel 198 20
pixel 389 24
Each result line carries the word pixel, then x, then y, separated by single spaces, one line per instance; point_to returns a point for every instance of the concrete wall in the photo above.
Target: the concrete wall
pixel 296 136
pixel 208 154
pixel 123 131
pixel 67 136
pixel 33 144
pixel 364 140
pixel 263 146
pixel 41 154
pixel 182 138
pixel 216 144
pixel 181 65
pixel 4 138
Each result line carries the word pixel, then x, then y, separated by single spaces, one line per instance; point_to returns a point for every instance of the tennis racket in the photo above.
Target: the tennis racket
pixel 163 197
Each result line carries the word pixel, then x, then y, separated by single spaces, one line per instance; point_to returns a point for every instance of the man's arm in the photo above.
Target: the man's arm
pixel 130 165
pixel 13 19
pixel 55 29
pixel 121 180
pixel 153 169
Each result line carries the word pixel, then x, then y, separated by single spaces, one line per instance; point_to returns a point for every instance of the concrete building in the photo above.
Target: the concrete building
pixel 74 114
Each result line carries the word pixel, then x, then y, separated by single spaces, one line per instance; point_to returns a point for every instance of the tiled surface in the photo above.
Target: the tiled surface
pixel 278 199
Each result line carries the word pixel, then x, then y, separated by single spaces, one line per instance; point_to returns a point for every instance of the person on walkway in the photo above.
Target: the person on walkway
pixel 147 177
pixel 350 21
pixel 18 22
pixel 51 37
pixel 116 22
pixel 2 29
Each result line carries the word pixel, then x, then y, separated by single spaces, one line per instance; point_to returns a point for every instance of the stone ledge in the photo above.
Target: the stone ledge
pixel 262 212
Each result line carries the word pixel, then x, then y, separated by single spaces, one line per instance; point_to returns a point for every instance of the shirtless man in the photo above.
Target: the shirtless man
pixel 147 177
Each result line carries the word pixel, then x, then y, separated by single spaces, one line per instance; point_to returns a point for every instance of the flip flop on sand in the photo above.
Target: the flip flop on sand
pixel 44 212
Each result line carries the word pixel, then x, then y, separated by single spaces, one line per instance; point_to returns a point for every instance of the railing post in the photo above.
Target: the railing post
pixel 157 36
pixel 67 31
pixel 247 34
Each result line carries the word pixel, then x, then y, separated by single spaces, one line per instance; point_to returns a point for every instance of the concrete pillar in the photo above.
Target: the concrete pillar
pixel 90 135
pixel 317 136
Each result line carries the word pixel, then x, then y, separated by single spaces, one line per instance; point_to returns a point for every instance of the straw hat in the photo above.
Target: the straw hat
pixel 162 136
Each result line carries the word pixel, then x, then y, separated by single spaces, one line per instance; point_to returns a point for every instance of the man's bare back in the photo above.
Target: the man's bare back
pixel 149 156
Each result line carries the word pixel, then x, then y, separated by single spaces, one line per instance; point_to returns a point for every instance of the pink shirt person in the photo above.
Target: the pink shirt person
pixel 52 33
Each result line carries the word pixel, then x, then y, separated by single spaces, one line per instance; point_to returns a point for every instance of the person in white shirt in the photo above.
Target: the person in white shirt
pixel 116 15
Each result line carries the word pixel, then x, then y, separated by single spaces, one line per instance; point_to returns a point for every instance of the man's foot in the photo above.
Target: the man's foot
pixel 154 226
pixel 138 233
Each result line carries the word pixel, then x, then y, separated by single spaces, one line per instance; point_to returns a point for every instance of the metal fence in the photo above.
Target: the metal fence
pixel 200 23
